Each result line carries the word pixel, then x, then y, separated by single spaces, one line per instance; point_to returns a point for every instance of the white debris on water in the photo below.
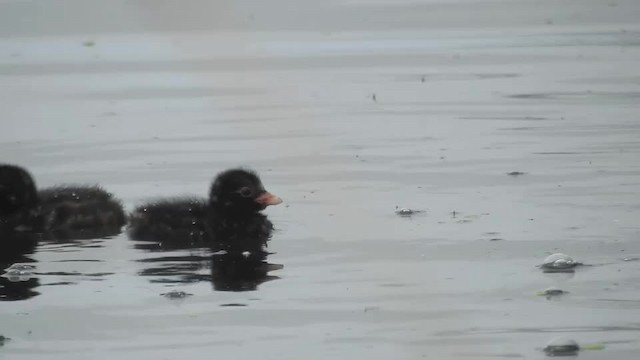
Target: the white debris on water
pixel 559 261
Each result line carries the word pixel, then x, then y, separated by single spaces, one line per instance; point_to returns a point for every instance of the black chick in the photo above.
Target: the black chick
pixel 230 220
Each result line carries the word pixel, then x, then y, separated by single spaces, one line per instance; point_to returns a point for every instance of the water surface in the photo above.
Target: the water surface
pixel 347 109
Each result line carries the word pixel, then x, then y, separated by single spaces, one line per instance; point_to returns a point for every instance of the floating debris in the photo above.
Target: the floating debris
pixel 21 267
pixel 3 339
pixel 89 43
pixel 516 173
pixel 16 272
pixel 559 262
pixel 562 346
pixel 19 272
pixel 552 292
pixel 404 211
pixel 176 294
pixel 407 212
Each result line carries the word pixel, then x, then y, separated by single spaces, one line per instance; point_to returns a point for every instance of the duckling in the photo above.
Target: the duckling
pixel 230 218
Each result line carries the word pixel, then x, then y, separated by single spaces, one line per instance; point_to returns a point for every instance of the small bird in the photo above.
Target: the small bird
pixel 229 219
pixel 59 212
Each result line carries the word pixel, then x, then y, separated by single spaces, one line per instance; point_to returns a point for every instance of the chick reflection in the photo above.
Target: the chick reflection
pixel 241 272
pixel 228 267
pixel 16 281
pixel 227 271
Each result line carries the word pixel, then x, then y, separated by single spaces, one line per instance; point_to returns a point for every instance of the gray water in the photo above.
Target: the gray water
pixel 347 109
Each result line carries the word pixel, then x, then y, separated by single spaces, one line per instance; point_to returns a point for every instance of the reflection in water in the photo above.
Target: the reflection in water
pixel 227 271
pixel 71 235
pixel 13 288
pixel 226 263
pixel 72 246
pixel 17 282
pixel 176 269
pixel 241 272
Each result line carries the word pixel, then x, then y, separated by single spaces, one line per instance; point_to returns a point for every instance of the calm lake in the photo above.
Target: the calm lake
pixel 514 126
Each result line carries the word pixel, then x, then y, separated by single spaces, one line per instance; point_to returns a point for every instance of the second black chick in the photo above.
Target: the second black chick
pixel 230 219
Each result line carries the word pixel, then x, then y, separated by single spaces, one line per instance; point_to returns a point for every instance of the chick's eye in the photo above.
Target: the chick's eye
pixel 245 192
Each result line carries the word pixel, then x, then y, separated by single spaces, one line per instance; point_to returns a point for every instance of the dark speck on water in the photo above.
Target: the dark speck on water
pixel 516 173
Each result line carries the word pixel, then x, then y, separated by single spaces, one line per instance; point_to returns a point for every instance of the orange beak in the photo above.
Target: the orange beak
pixel 267 199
